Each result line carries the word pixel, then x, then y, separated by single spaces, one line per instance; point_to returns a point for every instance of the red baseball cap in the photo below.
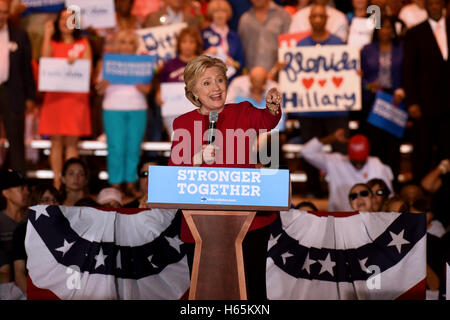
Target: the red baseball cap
pixel 358 148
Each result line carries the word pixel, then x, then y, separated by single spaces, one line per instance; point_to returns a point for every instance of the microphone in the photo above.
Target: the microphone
pixel 213 117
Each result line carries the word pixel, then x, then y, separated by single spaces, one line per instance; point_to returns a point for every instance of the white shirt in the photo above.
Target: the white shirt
pixel 4 54
pixel 412 15
pixel 337 22
pixel 443 35
pixel 342 175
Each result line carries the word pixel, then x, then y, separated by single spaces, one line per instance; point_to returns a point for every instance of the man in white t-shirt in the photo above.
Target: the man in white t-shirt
pixel 337 22
pixel 343 171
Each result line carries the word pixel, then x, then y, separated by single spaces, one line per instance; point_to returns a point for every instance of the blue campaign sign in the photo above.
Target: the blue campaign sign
pixel 36 6
pixel 128 68
pixel 388 117
pixel 200 187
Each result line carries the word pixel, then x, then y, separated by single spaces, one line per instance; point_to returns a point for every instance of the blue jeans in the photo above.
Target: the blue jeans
pixel 124 133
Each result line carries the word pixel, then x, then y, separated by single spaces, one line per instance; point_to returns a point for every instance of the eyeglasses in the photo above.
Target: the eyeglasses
pixel 143 174
pixel 352 196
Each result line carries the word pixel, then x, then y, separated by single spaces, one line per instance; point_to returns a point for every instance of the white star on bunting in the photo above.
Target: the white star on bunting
pixel 362 263
pixel 118 260
pixel 174 243
pixel 40 210
pixel 273 239
pixel 286 255
pixel 66 247
pixel 398 240
pixel 150 258
pixel 327 265
pixel 100 259
pixel 308 263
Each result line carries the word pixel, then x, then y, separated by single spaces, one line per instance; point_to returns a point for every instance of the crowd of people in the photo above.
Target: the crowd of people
pixel 405 56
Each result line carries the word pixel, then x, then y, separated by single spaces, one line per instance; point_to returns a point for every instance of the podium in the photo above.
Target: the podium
pixel 219 205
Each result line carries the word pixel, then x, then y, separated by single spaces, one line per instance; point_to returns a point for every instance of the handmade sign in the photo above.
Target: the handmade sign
pixel 291 39
pixel 160 41
pixel 127 68
pixel 56 74
pixel 319 79
pixel 95 13
pixel 386 116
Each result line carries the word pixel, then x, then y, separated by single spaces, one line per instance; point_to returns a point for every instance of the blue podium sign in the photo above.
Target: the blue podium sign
pixel 218 188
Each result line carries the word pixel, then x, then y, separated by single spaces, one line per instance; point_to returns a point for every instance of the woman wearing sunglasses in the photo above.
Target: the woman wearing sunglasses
pixel 380 192
pixel 361 197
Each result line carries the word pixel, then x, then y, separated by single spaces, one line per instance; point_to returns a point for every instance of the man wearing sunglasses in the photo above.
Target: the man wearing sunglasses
pixel 344 171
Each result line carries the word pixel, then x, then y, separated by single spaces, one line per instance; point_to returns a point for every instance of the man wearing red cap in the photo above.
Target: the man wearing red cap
pixel 345 171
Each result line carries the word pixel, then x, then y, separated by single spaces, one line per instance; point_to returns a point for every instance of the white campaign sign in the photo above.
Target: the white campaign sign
pixel 95 13
pixel 160 41
pixel 360 32
pixel 175 102
pixel 56 74
pixel 319 79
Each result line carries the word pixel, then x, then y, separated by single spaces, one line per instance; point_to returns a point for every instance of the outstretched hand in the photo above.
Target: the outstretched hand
pixel 273 100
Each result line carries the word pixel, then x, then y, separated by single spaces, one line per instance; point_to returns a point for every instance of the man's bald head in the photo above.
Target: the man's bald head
pixel 258 78
pixel 318 18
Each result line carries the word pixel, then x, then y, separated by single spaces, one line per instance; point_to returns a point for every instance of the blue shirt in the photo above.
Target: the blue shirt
pixel 309 41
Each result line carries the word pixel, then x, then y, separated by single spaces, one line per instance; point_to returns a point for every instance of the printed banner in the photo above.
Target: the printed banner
pixel 95 13
pixel 160 41
pixel 43 5
pixel 128 69
pixel 175 101
pixel 360 32
pixel 218 186
pixel 318 79
pixel 56 74
pixel 386 116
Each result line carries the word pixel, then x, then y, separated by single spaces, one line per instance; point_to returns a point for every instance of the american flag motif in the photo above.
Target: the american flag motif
pixel 339 256
pixel 345 256
pixel 87 253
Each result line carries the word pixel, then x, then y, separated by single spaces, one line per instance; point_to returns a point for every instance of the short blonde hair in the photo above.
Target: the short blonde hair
pixel 193 71
pixel 128 33
pixel 215 5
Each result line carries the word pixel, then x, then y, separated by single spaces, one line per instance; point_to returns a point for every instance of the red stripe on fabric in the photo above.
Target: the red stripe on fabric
pixel 342 214
pixel 418 292
pixel 35 293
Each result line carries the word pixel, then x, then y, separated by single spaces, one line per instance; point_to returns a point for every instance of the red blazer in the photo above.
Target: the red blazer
pixel 189 131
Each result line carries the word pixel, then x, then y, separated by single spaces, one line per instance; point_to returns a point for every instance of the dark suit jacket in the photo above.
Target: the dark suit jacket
pixel 20 84
pixel 370 65
pixel 426 73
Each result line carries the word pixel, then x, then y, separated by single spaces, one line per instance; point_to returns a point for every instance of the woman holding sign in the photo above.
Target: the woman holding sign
pixel 381 64
pixel 206 83
pixel 124 118
pixel 65 116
